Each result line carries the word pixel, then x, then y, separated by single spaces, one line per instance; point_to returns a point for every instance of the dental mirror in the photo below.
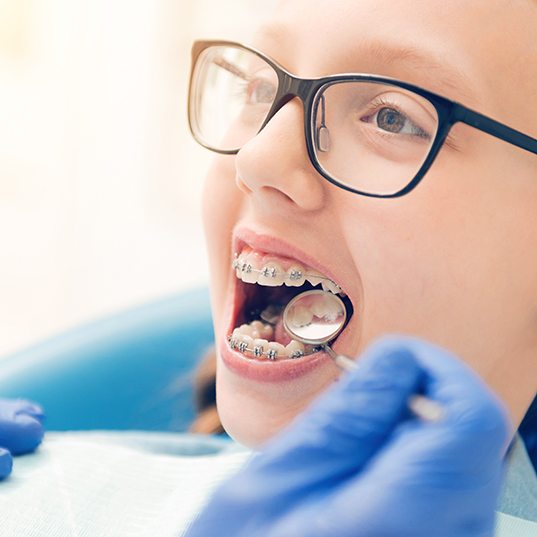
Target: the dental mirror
pixel 317 317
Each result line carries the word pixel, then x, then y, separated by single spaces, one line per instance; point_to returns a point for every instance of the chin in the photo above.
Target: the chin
pixel 253 412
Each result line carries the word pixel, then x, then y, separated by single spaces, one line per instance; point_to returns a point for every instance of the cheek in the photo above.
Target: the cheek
pixel 449 263
pixel 221 207
pixel 221 198
pixel 403 273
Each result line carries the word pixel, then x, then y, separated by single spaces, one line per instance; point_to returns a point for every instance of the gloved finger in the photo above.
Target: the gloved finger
pixel 345 427
pixel 6 463
pixel 20 433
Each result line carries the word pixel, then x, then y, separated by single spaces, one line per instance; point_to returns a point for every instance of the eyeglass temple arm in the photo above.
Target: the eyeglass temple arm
pixel 494 128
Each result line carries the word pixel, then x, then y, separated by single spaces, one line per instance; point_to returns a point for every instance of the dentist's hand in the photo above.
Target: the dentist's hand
pixel 21 430
pixel 357 464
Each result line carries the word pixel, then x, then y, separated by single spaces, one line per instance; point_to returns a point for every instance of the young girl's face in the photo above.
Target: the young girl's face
pixel 454 261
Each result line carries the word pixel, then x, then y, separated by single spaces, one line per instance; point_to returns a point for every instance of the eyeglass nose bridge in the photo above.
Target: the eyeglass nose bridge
pixel 289 87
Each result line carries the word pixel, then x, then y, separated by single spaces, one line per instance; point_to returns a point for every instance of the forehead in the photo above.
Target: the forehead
pixel 476 52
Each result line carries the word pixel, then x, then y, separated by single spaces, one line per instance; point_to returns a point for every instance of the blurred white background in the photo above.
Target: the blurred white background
pixel 100 182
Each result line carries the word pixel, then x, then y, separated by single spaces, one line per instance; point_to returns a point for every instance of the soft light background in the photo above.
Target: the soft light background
pixel 100 181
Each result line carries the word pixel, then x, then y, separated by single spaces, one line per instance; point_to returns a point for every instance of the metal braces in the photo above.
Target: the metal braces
pixel 258 350
pixel 271 272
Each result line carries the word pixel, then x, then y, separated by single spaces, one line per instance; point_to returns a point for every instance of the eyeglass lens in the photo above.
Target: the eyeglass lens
pixel 371 136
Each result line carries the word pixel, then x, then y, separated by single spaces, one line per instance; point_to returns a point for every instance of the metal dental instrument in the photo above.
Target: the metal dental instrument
pixel 317 317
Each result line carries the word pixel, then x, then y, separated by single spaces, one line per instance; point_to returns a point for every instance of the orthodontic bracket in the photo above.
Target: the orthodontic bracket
pixel 271 272
pixel 257 351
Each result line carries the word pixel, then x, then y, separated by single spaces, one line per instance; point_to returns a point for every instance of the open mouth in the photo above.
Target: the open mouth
pixel 265 285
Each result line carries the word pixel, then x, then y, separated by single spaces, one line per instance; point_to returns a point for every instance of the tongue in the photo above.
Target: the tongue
pixel 280 334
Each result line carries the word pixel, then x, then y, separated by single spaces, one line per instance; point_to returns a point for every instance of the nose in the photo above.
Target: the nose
pixel 276 163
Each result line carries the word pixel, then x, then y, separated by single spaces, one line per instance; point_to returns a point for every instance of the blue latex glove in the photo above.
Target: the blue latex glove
pixel 356 463
pixel 21 430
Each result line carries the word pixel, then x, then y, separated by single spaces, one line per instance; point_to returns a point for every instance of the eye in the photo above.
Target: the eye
pixel 390 120
pixel 398 118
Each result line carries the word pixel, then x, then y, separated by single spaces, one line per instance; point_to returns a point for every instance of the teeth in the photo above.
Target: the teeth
pixel 278 350
pixel 329 285
pixel 301 317
pixel 271 314
pixel 295 349
pixel 246 330
pixel 315 278
pixel 260 344
pixel 271 275
pixel 248 275
pixel 250 269
pixel 295 276
pixel 237 266
pixel 326 309
pixel 261 348
pixel 254 340
pixel 248 340
pixel 261 331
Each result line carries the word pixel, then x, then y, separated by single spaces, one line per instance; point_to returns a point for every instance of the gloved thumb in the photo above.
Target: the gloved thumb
pixel 6 463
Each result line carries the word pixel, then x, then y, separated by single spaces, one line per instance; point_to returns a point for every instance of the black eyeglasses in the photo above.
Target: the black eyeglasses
pixel 368 134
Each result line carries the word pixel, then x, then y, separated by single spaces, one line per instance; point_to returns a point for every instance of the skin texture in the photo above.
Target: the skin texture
pixel 454 261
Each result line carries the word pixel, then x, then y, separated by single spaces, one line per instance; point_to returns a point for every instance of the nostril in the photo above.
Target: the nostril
pixel 280 196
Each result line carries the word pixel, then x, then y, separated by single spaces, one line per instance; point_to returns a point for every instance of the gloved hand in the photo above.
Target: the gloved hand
pixel 21 430
pixel 356 463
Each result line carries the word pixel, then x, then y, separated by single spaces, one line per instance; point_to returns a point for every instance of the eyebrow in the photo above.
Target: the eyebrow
pixel 438 73
pixel 448 75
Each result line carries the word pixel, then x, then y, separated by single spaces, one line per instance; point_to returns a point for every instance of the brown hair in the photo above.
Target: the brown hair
pixel 207 420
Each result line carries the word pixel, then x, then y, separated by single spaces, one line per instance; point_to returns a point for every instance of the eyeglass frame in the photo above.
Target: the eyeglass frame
pixel 307 89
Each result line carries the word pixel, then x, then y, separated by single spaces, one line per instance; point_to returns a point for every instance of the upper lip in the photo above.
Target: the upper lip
pixel 273 245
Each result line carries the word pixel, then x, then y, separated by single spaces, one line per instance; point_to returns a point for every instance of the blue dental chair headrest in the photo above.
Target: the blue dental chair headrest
pixel 132 370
